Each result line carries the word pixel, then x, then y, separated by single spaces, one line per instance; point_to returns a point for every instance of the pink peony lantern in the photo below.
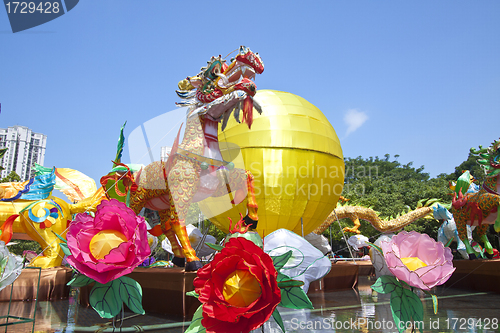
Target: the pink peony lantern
pixel 110 245
pixel 418 260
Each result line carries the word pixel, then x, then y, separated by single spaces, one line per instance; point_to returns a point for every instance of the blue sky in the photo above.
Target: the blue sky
pixel 416 78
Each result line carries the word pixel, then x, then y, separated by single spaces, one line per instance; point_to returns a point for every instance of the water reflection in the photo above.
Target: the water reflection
pixel 362 310
pixel 353 310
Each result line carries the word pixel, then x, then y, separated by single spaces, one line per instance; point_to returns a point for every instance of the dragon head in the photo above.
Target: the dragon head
pixel 220 88
pixel 490 158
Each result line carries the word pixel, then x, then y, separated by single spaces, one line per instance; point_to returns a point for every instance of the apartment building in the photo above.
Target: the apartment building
pixel 25 148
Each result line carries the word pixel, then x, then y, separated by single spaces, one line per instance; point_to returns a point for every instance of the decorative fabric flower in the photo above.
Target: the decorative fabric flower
pixel 10 266
pixel 306 263
pixel 418 260
pixel 238 289
pixel 110 245
pixel 377 258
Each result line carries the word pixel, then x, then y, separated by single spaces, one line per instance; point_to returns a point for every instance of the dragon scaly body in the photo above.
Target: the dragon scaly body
pixel 356 213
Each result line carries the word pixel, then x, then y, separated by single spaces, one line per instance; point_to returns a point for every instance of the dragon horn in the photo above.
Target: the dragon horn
pixel 478 151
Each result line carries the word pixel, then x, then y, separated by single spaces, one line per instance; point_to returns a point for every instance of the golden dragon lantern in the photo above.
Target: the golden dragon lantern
pixel 297 162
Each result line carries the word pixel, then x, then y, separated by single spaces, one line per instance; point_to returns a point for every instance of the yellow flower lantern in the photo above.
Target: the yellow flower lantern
pixel 295 156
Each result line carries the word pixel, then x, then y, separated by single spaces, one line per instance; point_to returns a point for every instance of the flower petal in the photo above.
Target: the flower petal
pixel 218 314
pixel 110 215
pixel 412 244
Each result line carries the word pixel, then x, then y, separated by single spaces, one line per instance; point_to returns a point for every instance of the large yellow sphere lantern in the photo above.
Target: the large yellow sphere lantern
pixel 295 156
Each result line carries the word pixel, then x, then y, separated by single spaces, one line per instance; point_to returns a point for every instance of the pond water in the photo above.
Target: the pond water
pixel 354 310
pixel 361 310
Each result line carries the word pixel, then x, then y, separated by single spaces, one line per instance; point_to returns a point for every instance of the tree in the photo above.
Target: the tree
pixel 471 165
pixel 194 215
pixel 11 177
pixel 390 188
pixel 23 245
pixel 2 152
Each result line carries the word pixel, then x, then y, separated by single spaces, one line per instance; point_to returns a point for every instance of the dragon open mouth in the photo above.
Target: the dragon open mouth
pixel 235 75
pixel 241 72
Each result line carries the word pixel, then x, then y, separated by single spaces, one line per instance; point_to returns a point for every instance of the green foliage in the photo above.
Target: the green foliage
pixel 196 326
pixel 293 297
pixel 193 216
pixel 23 245
pixel 107 299
pixel 159 253
pixel 471 165
pixel 391 189
pixel 65 248
pixel 406 307
pixel 215 247
pixel 278 319
pixel 11 177
pixel 2 152
pixel 213 230
pixel 281 260
pixel 80 280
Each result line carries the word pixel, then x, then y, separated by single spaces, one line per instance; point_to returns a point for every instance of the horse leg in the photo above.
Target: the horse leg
pixel 252 206
pixel 183 182
pixel 497 221
pixel 462 233
pixel 241 182
pixel 481 232
pixel 461 246
pixel 193 262
pixel 137 202
pixel 166 228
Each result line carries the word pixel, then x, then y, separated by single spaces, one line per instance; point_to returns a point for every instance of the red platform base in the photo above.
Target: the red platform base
pixel 163 291
pixel 52 285
pixel 479 275
pixel 343 275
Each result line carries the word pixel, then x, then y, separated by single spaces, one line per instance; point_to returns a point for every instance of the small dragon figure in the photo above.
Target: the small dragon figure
pixel 480 208
pixel 356 213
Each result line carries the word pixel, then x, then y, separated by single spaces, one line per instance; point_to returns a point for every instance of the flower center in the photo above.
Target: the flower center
pixel 241 288
pixel 105 241
pixel 413 263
